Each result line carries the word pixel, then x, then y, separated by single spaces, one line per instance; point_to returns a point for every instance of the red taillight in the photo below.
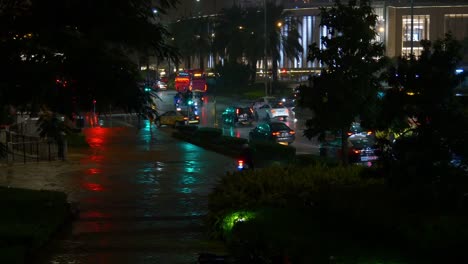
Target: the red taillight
pixel 206 87
pixel 237 111
pixel 185 118
pixel 275 133
pixel 197 117
pixel 292 132
pixel 356 151
pixel 251 110
pixel 349 133
pixel 240 162
pixel 369 132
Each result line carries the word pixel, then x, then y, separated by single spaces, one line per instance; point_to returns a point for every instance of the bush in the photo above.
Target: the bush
pixel 309 159
pixel 187 129
pixel 29 219
pixel 209 134
pixel 343 202
pixel 273 151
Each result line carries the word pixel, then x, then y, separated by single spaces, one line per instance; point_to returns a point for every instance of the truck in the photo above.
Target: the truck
pixel 192 80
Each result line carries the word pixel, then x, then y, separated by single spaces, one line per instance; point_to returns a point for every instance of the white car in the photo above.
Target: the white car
pixel 263 101
pixel 161 85
pixel 272 111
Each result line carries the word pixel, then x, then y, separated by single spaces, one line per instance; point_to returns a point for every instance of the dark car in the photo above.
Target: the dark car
pixel 274 132
pixel 237 115
pixel 362 148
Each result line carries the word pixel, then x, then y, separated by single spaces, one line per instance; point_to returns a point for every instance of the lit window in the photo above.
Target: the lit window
pixel 420 32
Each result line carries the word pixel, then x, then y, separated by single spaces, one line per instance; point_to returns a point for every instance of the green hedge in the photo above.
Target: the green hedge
pixel 28 220
pixel 187 129
pixel 209 133
pixel 340 210
pixel 271 151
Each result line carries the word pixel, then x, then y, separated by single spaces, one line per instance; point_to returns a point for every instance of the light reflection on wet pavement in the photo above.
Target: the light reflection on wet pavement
pixel 142 196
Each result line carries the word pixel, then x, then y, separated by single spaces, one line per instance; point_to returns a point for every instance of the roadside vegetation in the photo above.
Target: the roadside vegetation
pixel 29 220
pixel 409 209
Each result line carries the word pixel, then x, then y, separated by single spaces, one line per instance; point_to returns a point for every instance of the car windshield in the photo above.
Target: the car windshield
pixel 361 142
pixel 278 126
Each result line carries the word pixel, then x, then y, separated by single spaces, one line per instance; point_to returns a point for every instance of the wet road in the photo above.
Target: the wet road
pixel 142 196
pixel 208 115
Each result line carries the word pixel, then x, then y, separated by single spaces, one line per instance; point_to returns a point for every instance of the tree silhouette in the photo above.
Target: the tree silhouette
pixel 349 81
pixel 67 53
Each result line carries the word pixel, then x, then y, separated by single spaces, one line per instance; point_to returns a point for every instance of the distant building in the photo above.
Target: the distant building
pixel 431 20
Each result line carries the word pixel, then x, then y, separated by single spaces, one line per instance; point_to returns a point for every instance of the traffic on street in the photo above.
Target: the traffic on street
pixel 213 108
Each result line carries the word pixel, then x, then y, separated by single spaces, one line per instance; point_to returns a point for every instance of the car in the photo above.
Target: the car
pixel 191 116
pixel 171 118
pixel 289 102
pixel 273 132
pixel 237 115
pixel 362 148
pixel 198 98
pixel 262 101
pixel 357 129
pixel 272 110
pixel 160 85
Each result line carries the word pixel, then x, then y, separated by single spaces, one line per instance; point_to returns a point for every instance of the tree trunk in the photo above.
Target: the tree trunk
pixel 344 146
pixel 253 69
pixel 188 62
pixel 274 74
pixel 202 61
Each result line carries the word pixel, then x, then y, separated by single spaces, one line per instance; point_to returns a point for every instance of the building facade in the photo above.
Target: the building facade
pixel 430 19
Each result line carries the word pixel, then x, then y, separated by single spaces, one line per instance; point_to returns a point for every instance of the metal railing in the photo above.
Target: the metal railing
pixel 16 148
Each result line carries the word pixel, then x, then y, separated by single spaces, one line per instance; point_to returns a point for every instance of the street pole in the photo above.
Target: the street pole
pixel 265 68
pixel 412 26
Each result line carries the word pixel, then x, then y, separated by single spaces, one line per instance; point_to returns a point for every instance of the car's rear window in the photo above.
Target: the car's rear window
pixel 277 105
pixel 244 111
pixel 278 126
pixel 362 142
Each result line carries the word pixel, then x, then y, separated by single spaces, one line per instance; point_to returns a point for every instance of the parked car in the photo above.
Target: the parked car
pixel 272 110
pixel 273 132
pixel 237 115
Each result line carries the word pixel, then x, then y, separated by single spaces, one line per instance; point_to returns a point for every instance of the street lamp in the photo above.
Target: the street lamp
pixel 265 68
pixel 412 25
pixel 94 107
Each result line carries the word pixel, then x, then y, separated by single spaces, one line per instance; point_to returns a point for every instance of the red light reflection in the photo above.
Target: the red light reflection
pixel 94 187
pixel 94 214
pixel 93 171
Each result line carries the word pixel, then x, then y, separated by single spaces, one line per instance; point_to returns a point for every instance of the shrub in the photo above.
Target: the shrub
pixel 187 129
pixel 273 151
pixel 234 142
pixel 309 159
pixel 209 134
pixel 29 219
pixel 275 186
